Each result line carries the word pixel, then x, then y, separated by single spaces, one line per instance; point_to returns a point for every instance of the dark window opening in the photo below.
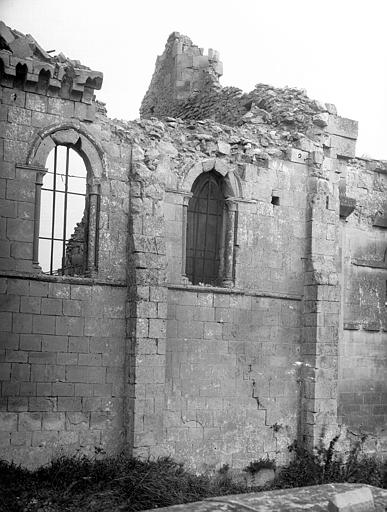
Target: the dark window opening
pixel 43 81
pixel 62 232
pixel 327 203
pixel 21 76
pixel 204 229
pixel 275 200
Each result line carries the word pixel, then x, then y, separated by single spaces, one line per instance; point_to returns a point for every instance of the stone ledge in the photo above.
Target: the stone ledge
pixel 369 263
pixel 231 291
pixel 91 281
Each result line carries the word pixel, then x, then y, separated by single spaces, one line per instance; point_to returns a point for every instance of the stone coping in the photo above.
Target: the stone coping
pixel 232 291
pixel 314 498
pixel 91 281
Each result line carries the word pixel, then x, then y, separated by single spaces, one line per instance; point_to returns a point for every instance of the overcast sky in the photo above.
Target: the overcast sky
pixel 335 49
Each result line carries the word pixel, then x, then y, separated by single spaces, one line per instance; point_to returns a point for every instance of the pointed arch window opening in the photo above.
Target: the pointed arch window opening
pixel 63 216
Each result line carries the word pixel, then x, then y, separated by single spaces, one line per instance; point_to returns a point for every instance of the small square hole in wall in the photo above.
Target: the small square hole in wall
pixel 275 200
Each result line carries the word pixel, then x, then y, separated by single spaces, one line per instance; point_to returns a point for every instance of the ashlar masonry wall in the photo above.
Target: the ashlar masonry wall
pixel 132 354
pixel 62 339
pixel 63 346
pixel 233 355
pixel 362 384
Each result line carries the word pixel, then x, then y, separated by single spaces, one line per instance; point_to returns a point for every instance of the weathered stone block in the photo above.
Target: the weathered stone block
pixel 9 303
pixel 8 208
pixel 17 404
pixel 69 325
pixel 67 358
pixel 78 344
pixel 344 146
pixel 20 230
pixel 45 439
pixel 344 127
pixel 22 323
pixel 30 421
pixel 54 343
pixel 44 403
pixel 89 359
pixel 36 102
pixel 19 115
pixel 53 421
pixel 96 374
pixel 69 404
pixel 41 119
pixel 63 108
pixel 38 289
pixel 51 306
pixel 47 373
pixel 30 305
pixel 72 307
pixel 8 421
pixel 21 250
pixel 77 421
pixel 80 292
pixel 16 356
pixel 76 374
pixel 59 290
pixel 83 390
pixel 21 439
pixel 357 500
pixel 39 358
pixel 63 389
pixel 43 324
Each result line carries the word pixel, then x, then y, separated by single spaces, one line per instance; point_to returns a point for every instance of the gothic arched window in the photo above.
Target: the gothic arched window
pixel 204 229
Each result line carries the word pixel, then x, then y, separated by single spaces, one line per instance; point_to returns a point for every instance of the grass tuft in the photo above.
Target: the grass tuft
pixel 122 483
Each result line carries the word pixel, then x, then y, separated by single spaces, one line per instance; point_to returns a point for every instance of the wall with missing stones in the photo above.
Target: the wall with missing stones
pixel 290 344
pixel 62 340
pixel 362 404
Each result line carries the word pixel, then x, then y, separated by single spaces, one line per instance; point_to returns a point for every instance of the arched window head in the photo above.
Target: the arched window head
pixel 205 229
pixel 64 214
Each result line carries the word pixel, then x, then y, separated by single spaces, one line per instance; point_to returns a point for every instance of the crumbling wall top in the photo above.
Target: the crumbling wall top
pixel 23 60
pixel 182 70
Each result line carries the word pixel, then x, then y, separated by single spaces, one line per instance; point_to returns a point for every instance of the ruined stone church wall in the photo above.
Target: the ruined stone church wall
pixel 62 338
pixel 362 363
pixel 132 354
pixel 232 370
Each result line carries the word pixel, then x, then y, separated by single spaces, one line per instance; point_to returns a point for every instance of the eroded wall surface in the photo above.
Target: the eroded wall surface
pixel 363 353
pixel 62 339
pixel 291 342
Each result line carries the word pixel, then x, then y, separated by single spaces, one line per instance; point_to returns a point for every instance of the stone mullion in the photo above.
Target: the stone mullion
pixel 186 199
pixel 229 242
pixel 92 230
pixel 38 196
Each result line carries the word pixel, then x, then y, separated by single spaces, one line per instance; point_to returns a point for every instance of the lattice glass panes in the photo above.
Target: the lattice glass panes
pixel 204 229
pixel 62 208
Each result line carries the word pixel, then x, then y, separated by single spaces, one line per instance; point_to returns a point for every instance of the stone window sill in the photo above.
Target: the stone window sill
pixel 91 281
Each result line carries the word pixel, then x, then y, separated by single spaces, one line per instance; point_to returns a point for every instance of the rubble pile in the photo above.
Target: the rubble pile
pixel 243 128
pixel 185 142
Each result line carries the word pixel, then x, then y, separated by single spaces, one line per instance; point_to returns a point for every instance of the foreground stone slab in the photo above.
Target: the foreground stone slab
pixel 357 500
pixel 314 498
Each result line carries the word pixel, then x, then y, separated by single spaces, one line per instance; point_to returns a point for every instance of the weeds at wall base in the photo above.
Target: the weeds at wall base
pixel 122 483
